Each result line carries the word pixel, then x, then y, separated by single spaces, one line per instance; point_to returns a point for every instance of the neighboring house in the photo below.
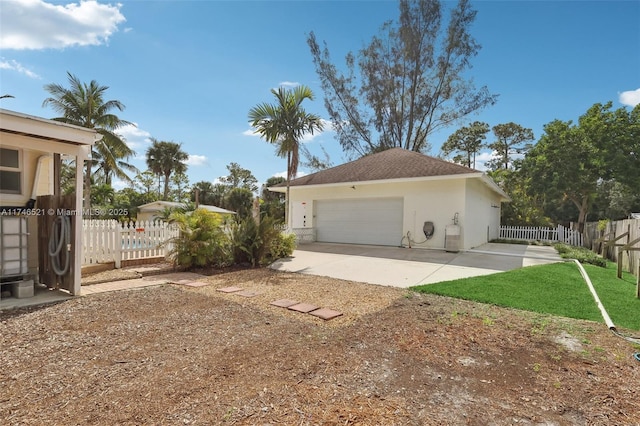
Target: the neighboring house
pixel 27 145
pixel 152 211
pixel 379 198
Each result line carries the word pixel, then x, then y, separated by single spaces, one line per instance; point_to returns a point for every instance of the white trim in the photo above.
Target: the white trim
pixel 29 125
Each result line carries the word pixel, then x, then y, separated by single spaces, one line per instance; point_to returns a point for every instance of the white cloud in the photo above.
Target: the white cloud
pixel 197 160
pixel 289 84
pixel 630 97
pixel 484 157
pixel 284 174
pixel 250 132
pixel 119 185
pixel 36 24
pixel 11 64
pixel 135 137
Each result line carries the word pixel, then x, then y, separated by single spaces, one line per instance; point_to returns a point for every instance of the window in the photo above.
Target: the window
pixel 10 171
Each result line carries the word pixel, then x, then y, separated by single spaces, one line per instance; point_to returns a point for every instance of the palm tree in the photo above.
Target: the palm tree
pixel 284 124
pixel 84 105
pixel 103 157
pixel 165 158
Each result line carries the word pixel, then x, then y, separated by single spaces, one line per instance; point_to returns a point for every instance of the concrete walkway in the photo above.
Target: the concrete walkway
pixel 152 280
pixel 43 295
pixel 403 267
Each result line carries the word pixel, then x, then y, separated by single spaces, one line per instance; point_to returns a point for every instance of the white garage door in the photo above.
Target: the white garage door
pixel 362 221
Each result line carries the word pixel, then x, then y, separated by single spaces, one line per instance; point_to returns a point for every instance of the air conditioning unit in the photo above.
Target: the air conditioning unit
pixel 13 246
pixel 14 258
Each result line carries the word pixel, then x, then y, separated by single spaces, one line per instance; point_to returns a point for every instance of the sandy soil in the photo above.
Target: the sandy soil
pixel 174 354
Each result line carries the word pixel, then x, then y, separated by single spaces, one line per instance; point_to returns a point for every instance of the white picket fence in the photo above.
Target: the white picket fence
pixel 111 241
pixel 532 233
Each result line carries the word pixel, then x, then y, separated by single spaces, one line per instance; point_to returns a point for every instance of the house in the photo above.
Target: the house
pixel 154 210
pixel 383 198
pixel 27 148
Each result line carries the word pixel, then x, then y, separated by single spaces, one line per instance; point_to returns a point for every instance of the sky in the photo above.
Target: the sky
pixel 189 71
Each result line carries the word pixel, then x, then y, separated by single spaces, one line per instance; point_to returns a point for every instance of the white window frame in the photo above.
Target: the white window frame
pixel 19 170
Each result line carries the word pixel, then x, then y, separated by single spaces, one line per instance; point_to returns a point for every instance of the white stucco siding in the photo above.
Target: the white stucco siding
pixel 435 201
pixel 482 214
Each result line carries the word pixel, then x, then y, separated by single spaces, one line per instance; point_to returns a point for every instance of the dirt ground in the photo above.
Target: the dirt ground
pixel 175 354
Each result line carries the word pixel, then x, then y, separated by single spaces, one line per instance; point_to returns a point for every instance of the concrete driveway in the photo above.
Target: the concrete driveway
pixel 404 267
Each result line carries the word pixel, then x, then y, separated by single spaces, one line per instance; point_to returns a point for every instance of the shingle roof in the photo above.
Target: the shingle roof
pixel 395 163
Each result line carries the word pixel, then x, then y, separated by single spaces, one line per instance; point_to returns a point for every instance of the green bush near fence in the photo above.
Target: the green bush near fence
pixel 581 254
pixel 205 240
pixel 201 242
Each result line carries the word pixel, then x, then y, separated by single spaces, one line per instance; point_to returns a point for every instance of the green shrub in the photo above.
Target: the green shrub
pixel 202 241
pixel 251 241
pixel 282 246
pixel 581 254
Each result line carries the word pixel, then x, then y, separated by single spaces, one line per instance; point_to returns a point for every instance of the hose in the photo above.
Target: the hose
pixel 59 240
pixel 408 237
pixel 603 311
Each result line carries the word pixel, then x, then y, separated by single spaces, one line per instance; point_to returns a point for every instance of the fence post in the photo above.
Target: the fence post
pixel 117 245
pixel 638 283
pixel 620 263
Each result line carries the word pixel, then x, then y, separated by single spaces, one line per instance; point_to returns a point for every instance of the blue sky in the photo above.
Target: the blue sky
pixel 189 71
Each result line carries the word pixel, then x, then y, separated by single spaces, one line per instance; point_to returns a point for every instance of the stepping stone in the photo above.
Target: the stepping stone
pixel 248 293
pixel 230 289
pixel 303 307
pixel 194 283
pixel 184 282
pixel 284 303
pixel 325 313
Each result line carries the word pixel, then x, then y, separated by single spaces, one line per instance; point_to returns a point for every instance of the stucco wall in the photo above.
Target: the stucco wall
pixel 436 201
pixel 482 213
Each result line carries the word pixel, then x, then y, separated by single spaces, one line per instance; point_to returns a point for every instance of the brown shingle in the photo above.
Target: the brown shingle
pixel 395 163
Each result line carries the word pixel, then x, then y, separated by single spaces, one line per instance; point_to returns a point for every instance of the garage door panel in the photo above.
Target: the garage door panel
pixel 360 221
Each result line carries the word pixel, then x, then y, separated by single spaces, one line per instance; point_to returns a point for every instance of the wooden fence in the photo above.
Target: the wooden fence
pixel 560 234
pixel 610 241
pixel 111 241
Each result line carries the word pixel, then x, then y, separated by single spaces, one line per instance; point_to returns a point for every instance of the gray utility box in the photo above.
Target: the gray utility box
pixel 452 238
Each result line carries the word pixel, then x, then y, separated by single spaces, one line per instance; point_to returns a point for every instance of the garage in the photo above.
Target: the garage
pixel 375 221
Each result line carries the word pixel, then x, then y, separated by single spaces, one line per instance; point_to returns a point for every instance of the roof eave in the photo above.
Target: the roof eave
pixel 494 186
pixel 36 127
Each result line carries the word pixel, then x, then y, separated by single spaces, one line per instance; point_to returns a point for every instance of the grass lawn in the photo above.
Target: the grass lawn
pixel 556 289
